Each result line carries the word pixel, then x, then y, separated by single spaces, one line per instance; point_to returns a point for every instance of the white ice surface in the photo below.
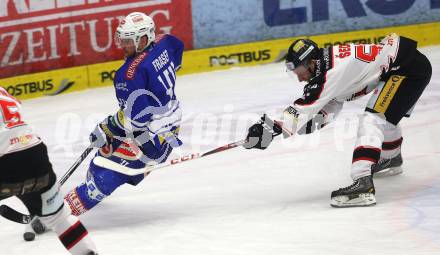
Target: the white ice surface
pixel 247 202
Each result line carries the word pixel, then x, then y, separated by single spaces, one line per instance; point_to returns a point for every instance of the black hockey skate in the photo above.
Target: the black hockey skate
pixel 360 193
pixel 388 167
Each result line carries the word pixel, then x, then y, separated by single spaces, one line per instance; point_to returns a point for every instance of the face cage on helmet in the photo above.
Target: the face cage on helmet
pixel 129 41
pixel 290 66
pixel 122 43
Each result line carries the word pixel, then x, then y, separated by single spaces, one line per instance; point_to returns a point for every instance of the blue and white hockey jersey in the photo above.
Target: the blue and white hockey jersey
pixel 144 85
pixel 146 126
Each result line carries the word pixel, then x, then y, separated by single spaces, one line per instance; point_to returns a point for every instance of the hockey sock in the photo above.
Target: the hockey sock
pixel 74 236
pixel 78 200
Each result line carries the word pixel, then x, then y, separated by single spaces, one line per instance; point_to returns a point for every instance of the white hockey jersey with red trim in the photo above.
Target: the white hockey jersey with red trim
pixel 15 134
pixel 345 72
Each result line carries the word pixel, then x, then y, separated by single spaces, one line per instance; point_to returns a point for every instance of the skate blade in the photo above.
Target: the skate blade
pixel 389 172
pixel 364 199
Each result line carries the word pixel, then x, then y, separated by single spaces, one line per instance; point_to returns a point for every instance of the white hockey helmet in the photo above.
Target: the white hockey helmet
pixel 133 27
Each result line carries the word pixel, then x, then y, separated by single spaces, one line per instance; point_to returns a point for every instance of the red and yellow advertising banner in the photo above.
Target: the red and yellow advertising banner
pixel 42 35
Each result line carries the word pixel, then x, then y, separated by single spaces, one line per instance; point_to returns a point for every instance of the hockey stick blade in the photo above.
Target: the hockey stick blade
pixel 106 163
pixel 13 215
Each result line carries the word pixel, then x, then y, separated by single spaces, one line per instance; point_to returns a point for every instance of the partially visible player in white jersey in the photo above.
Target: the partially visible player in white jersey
pixel 397 74
pixel 26 173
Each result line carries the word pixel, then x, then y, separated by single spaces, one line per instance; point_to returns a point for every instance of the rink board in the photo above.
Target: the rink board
pixel 250 54
pixel 47 83
pixel 204 60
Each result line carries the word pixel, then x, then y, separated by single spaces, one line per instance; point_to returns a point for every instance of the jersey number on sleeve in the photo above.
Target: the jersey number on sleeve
pixel 11 115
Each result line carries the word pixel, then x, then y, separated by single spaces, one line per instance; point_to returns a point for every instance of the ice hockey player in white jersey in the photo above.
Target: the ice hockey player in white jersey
pixel 394 71
pixel 27 173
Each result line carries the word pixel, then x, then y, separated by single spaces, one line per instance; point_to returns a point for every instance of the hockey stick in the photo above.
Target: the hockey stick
pixel 75 165
pixel 18 217
pixel 103 162
pixel 106 163
pixel 13 215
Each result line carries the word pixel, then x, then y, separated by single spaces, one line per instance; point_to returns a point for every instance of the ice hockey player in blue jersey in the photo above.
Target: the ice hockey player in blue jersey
pixel 145 129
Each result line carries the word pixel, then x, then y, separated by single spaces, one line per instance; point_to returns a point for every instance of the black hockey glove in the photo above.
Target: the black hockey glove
pixel 260 135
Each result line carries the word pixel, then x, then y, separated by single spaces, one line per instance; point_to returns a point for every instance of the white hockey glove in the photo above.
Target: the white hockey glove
pixel 101 135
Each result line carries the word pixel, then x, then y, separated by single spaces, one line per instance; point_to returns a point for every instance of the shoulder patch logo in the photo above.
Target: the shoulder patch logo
pixel 133 66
